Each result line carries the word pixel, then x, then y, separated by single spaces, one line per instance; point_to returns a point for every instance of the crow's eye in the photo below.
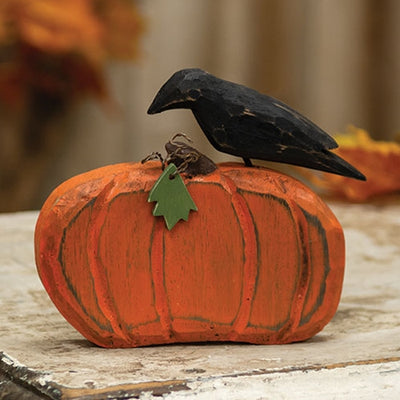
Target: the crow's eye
pixel 194 94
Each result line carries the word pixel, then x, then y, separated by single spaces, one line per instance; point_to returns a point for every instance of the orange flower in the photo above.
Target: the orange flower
pixel 122 23
pixel 60 46
pixel 379 161
pixel 59 26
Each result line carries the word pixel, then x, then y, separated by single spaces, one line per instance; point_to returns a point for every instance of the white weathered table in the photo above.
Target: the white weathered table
pixel 357 356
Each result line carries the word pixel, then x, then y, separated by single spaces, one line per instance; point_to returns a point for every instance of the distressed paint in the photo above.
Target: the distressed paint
pixel 262 260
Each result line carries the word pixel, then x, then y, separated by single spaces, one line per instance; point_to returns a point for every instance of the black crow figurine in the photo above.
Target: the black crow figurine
pixel 243 122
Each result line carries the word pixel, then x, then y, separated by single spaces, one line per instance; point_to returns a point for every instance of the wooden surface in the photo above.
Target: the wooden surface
pixel 357 355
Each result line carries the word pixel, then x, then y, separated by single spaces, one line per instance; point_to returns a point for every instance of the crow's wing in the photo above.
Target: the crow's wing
pixel 249 136
pixel 271 116
pixel 293 122
pixel 267 134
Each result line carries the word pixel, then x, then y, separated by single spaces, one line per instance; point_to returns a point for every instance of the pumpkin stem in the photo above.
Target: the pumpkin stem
pixel 155 155
pixel 180 134
pixel 187 159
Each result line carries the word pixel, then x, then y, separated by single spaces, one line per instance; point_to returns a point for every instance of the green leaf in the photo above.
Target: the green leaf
pixel 172 197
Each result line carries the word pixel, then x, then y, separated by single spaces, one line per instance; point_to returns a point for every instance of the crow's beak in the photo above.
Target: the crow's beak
pixel 169 97
pixel 155 106
pixel 161 103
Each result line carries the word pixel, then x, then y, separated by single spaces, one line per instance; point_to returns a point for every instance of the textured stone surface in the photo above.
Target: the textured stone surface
pixel 356 356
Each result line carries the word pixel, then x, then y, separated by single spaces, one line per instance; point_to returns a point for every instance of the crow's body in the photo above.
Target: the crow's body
pixel 243 122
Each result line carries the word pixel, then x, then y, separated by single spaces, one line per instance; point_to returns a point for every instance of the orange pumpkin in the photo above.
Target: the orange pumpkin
pixel 261 261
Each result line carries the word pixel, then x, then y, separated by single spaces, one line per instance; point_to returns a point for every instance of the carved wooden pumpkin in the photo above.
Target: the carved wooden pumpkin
pixel 261 261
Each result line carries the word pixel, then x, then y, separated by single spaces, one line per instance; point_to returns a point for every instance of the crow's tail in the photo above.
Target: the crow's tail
pixel 330 162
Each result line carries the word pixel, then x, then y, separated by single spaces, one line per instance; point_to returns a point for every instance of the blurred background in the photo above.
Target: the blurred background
pixel 77 76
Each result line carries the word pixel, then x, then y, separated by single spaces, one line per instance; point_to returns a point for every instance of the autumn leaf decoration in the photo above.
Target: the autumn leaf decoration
pixel 173 201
